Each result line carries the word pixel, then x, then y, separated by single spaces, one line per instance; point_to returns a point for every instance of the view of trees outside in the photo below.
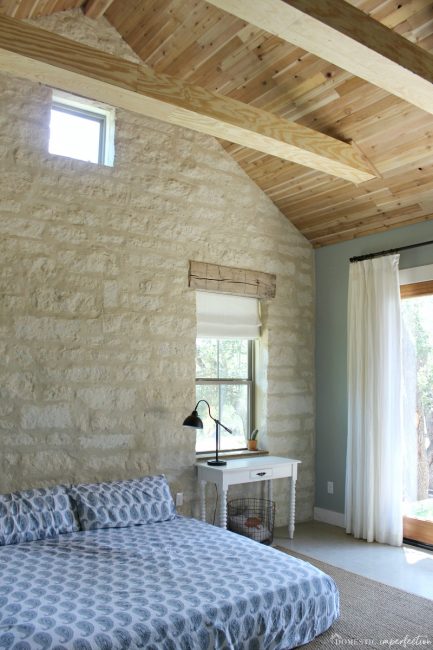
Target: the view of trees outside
pixel 418 353
pixel 223 359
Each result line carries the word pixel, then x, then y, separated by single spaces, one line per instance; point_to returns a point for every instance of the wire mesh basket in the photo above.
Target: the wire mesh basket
pixel 253 518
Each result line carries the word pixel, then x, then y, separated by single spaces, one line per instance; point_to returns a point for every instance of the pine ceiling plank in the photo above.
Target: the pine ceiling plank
pixel 9 7
pixel 30 52
pixel 413 187
pixel 356 233
pixel 302 99
pixel 267 180
pixel 208 71
pixel 364 219
pixel 331 223
pixel 144 23
pixel 268 90
pixel 415 176
pixel 420 23
pixel 293 186
pixel 298 188
pixel 337 32
pixel 268 176
pixel 309 105
pixel 391 202
pixel 158 38
pixel 382 145
pixel 343 115
pixel 130 15
pixel 367 227
pixel 189 17
pixel 35 8
pixel 208 45
pixel 392 13
pixel 324 197
pixel 245 49
pixel 253 77
pixel 26 8
pixel 96 8
pixel 406 151
pixel 368 121
pixel 403 12
pixel 233 67
pixel 195 25
pixel 49 7
pixel 281 94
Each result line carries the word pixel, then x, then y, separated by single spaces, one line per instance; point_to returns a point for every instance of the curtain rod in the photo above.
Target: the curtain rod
pixel 390 251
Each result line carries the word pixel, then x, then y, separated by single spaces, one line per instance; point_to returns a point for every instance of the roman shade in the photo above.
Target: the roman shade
pixel 222 316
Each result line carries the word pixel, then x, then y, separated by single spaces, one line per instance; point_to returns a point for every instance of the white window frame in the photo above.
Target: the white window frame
pixel 249 382
pixel 92 110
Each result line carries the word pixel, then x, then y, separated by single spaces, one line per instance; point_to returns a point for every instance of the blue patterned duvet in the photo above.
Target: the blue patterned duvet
pixel 179 584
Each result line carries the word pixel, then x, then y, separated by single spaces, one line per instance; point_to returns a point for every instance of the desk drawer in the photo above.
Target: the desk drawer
pixel 258 474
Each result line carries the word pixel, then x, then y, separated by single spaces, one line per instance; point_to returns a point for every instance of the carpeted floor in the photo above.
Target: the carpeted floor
pixel 373 614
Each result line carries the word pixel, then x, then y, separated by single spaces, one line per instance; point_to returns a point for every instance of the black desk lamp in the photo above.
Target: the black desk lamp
pixel 195 422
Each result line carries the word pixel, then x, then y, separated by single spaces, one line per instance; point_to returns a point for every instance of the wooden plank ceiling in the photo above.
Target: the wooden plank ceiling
pixel 198 43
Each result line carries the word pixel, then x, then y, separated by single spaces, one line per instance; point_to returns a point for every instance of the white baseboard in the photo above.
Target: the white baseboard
pixel 329 517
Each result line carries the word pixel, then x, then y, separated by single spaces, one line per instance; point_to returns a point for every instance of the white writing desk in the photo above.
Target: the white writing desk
pixel 247 470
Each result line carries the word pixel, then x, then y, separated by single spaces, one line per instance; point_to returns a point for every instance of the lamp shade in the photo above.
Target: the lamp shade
pixel 193 421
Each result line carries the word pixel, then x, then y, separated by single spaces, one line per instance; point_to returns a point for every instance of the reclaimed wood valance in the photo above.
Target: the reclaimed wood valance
pixel 228 279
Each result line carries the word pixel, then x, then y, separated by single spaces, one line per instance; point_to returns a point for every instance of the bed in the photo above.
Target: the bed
pixel 170 584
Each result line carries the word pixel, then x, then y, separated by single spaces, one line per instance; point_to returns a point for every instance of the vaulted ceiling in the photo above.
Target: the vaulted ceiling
pixel 198 43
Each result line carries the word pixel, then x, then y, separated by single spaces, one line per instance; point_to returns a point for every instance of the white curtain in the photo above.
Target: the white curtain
pixel 374 458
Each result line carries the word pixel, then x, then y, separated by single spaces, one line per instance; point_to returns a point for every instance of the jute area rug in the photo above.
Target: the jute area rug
pixel 373 614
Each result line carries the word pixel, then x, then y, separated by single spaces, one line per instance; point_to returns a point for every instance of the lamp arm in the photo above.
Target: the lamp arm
pixel 211 416
pixel 222 425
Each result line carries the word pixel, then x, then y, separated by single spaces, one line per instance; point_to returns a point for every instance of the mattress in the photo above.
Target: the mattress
pixel 179 584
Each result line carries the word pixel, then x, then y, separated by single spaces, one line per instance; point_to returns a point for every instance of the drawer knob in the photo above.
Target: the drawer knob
pixel 261 473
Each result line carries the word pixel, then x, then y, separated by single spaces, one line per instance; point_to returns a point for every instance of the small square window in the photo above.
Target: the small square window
pixel 81 129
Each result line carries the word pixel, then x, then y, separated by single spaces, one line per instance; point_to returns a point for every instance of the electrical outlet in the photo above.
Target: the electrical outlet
pixel 330 487
pixel 179 499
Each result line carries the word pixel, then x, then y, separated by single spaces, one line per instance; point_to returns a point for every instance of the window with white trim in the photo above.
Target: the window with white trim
pixel 227 329
pixel 81 129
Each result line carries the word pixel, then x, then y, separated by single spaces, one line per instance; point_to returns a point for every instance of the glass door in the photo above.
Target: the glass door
pixel 417 312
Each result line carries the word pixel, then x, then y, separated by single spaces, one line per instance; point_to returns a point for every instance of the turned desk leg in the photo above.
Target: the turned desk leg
pixel 223 508
pixel 203 500
pixel 270 490
pixel 292 506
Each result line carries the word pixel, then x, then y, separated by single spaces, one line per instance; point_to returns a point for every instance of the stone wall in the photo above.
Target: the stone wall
pixel 97 322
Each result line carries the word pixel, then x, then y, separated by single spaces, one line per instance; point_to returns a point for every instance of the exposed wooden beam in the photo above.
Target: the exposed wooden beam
pixel 29 52
pixel 96 8
pixel 229 279
pixel 339 33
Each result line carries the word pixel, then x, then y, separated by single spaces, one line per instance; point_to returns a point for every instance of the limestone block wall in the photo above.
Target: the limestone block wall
pixel 97 323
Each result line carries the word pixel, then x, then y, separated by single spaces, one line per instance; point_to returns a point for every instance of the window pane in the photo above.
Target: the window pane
pixel 207 359
pixel 206 436
pixel 233 359
pixel 74 136
pixel 222 359
pixel 233 400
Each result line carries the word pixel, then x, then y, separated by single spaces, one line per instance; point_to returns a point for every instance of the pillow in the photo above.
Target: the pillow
pixel 36 514
pixel 123 503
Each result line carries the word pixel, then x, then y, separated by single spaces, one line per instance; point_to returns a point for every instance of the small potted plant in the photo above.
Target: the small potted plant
pixel 252 440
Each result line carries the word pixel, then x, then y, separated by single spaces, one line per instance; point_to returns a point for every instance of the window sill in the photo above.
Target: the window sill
pixel 226 455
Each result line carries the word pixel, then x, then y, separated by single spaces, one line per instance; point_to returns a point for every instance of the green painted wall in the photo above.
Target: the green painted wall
pixel 332 272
